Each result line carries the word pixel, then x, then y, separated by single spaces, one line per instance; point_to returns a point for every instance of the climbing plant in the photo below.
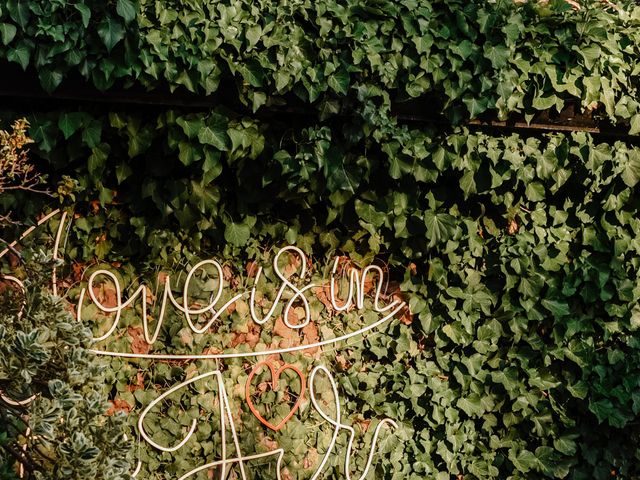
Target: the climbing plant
pixel 469 58
pixel 516 252
pixel 518 255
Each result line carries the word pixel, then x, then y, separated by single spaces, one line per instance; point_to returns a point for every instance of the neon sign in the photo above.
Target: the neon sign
pixel 353 300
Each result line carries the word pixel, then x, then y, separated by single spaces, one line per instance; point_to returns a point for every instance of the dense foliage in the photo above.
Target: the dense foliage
pixel 518 253
pixel 471 57
pixel 64 432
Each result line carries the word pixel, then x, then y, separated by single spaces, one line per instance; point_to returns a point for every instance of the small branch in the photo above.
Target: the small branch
pixel 22 457
pixel 27 189
pixel 11 248
pixel 524 209
pixel 7 220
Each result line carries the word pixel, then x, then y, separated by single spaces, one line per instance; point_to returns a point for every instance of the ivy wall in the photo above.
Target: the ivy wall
pixel 517 250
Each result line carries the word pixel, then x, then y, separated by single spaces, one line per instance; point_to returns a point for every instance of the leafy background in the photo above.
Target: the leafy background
pixel 518 252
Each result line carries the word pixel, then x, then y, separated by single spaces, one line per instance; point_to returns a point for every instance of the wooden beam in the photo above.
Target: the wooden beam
pixel 17 86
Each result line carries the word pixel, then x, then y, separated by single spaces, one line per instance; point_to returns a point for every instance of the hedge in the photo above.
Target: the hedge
pixel 471 57
pixel 518 253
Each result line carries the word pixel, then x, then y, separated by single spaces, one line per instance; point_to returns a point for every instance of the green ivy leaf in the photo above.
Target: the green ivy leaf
pixel 524 461
pixel 19 12
pixel 472 405
pixel 127 9
pixel 191 126
pixel 254 73
pixel 97 160
pixel 468 184
pixel 546 164
pixel 85 13
pixel 50 79
pixel 215 133
pixel 70 122
pixel 123 171
pixel 7 32
pixel 20 55
pixel 535 191
pixel 369 214
pixel 92 133
pixel 608 97
pixel 497 54
pixel 440 226
pixel 237 234
pixel 212 166
pixel 188 153
pixel 339 81
pixel 476 106
pixel 565 444
pixel 253 34
pixel 635 124
pixel 544 103
pixel 557 307
pixel 590 53
pixel 111 31
pixel 631 171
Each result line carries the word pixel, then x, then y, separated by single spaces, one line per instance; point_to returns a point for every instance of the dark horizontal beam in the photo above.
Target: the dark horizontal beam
pixel 17 86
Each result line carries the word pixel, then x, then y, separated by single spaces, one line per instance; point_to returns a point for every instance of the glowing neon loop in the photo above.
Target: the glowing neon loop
pixel 340 426
pixel 225 415
pixel 221 356
pixel 357 282
pixel 56 246
pixel 285 283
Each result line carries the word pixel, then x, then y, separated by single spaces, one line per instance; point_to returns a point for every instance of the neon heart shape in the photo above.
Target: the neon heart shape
pixel 275 375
